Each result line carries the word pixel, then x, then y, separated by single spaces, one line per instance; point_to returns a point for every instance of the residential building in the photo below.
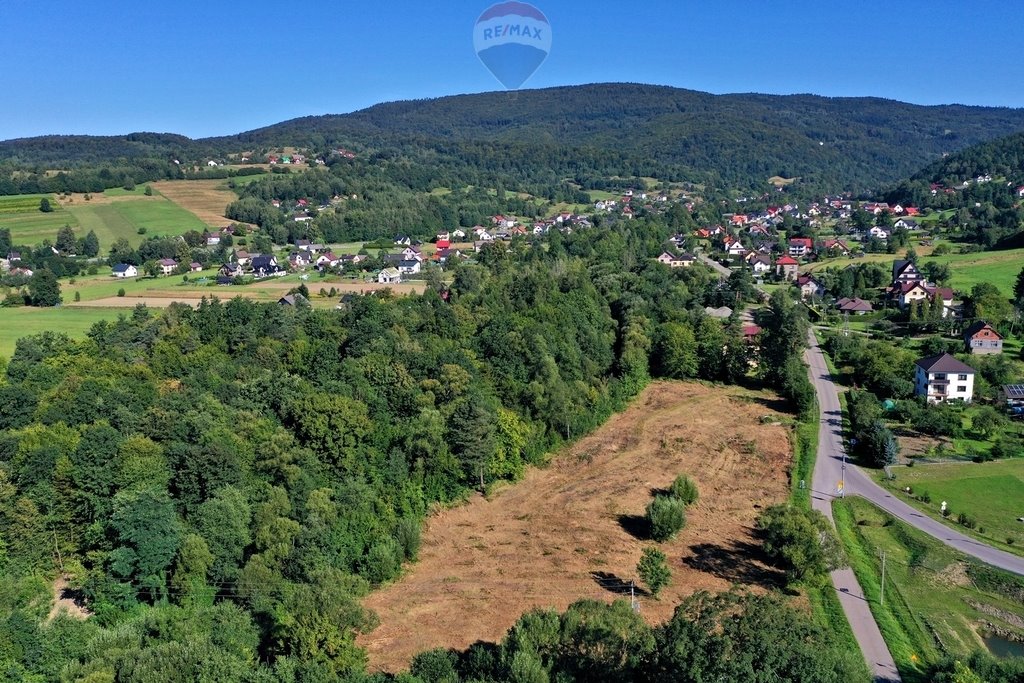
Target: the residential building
pixel 800 247
pixel 810 288
pixel 123 270
pixel 389 276
pixel 982 338
pixel 787 267
pixel 855 306
pixel 167 265
pixel 943 378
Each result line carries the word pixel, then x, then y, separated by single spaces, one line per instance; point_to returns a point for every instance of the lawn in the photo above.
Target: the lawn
pixel 937 601
pixel 74 322
pixel 991 493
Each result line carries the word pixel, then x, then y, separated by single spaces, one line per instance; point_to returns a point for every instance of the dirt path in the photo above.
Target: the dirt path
pixel 63 601
pixel 563 532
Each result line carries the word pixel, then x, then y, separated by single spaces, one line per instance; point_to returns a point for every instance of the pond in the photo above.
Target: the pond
pixel 1001 647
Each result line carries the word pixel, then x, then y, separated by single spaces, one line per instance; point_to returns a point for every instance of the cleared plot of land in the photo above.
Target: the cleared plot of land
pixel 990 493
pixel 125 216
pixel 207 199
pixel 567 531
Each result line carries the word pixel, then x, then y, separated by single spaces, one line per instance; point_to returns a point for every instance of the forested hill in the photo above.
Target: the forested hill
pixel 1002 158
pixel 733 140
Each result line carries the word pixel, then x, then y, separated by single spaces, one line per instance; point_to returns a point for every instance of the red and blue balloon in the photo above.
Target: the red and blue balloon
pixel 512 39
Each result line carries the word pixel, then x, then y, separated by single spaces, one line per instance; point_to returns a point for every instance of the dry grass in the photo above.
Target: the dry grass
pixel 207 199
pixel 567 531
pixel 264 291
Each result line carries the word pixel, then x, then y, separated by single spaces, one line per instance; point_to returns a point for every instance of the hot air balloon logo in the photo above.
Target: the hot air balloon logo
pixel 512 39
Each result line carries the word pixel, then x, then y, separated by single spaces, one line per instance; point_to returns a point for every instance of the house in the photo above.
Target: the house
pixel 167 265
pixel 303 245
pixel 443 243
pixel 904 271
pixel 195 267
pixel 409 267
pixel 402 239
pixel 672 261
pixel 242 257
pixel 787 267
pixel 750 333
pixel 212 238
pixel 1013 394
pixel 943 378
pixel 1020 191
pixel 412 254
pixel 231 270
pixel 458 234
pixel 13 256
pixel 735 248
pixel 299 259
pixel 265 266
pixel 836 247
pixel 123 270
pixel 906 224
pixel 328 260
pixel 800 247
pixel 879 232
pixel 854 306
pixel 389 276
pixel 291 300
pixel 760 263
pixel 810 288
pixel 22 272
pixel 981 338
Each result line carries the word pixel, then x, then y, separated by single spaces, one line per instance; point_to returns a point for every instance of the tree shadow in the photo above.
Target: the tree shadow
pixel 613 584
pixel 739 562
pixel 779 405
pixel 636 526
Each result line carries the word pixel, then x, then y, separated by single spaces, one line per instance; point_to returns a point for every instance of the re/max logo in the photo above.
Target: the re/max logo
pixel 512 30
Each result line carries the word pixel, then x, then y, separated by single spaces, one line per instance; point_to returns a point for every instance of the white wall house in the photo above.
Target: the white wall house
pixel 943 378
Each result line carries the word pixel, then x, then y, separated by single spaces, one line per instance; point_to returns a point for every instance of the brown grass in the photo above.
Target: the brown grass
pixel 567 531
pixel 207 199
pixel 264 291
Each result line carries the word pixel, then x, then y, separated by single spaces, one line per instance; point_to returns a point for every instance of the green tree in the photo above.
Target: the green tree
pixel 44 289
pixel 1018 289
pixel 66 243
pixel 44 205
pixel 684 489
pixel 147 534
pixel 800 541
pixel 653 570
pixel 676 351
pixel 666 516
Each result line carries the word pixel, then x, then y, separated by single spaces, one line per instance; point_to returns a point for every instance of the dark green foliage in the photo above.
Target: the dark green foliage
pixel 666 516
pixel 979 666
pixel 44 289
pixel 800 541
pixel 653 570
pixel 44 205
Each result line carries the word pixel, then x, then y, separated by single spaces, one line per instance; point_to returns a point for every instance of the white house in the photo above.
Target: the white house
pixel 167 265
pixel 389 276
pixel 122 270
pixel 409 267
pixel 879 232
pixel 943 378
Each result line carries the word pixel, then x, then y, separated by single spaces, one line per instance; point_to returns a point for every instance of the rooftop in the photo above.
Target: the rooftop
pixel 944 363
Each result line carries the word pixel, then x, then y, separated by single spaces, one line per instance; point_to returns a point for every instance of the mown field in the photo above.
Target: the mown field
pixel 937 601
pixel 28 225
pixel 990 493
pixel 16 323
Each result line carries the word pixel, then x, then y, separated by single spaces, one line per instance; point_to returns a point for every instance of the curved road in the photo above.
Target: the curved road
pixel 828 472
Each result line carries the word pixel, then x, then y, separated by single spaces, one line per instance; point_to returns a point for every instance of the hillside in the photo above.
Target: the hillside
pixel 732 140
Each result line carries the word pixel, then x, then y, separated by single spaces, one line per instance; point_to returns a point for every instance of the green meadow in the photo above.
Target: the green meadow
pixel 990 493
pixel 28 225
pixel 19 322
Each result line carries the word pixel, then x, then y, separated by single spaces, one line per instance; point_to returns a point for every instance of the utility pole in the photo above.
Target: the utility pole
pixel 632 596
pixel 882 600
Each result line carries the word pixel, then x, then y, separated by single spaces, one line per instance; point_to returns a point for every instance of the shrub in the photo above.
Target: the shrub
pixel 78 296
pixel 685 490
pixel 802 542
pixel 653 570
pixel 666 516
pixel 141 231
pixel 120 292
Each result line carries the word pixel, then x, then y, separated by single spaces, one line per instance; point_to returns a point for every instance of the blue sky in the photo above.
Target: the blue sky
pixel 214 67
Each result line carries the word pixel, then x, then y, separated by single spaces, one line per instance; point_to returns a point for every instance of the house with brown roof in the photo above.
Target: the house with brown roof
pixel 855 306
pixel 982 338
pixel 810 287
pixel 943 378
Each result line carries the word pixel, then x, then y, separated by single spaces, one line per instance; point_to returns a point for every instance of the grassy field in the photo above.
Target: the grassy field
pixel 111 221
pixel 28 225
pixel 74 322
pixel 991 493
pixel 937 601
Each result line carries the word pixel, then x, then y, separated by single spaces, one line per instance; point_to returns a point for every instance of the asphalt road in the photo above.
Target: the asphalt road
pixel 828 472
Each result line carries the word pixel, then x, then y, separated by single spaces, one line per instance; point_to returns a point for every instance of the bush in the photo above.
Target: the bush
pixel 141 231
pixel 666 516
pixel 120 292
pixel 684 489
pixel 653 570
pixel 802 542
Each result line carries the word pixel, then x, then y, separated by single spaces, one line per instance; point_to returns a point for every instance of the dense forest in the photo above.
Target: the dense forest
pixel 222 485
pixel 832 144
